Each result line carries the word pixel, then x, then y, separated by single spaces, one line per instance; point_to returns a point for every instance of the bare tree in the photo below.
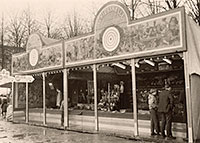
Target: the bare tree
pixel 2 41
pixel 74 26
pixel 52 29
pixel 57 33
pixel 172 4
pixel 154 7
pixel 132 6
pixel 31 25
pixel 194 10
pixel 16 32
pixel 48 23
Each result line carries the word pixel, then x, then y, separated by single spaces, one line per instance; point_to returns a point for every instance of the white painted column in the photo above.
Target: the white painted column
pixel 44 99
pixel 188 98
pixel 27 106
pixel 12 93
pixel 135 116
pixel 95 97
pixel 16 95
pixel 65 93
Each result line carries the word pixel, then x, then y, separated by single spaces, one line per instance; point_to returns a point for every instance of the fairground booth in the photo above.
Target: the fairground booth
pixel 103 78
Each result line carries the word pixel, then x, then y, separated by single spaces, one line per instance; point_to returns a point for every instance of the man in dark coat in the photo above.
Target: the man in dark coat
pixel 165 107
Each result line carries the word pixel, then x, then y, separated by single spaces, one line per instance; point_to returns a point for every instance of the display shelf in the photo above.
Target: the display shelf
pixel 160 87
pixel 159 71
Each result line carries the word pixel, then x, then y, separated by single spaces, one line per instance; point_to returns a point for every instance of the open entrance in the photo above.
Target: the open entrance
pixel 153 73
pixel 81 98
pixel 115 104
pixel 53 97
pixel 19 109
pixel 35 101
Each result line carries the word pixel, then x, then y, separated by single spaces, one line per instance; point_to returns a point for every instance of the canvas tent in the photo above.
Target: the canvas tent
pixel 193 44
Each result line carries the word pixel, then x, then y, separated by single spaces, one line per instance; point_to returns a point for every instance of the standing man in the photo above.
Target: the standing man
pixel 165 107
pixel 153 107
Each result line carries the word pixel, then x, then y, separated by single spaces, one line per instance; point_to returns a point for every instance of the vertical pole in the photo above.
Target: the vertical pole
pixel 188 98
pixel 135 117
pixel 16 95
pixel 44 99
pixel 12 93
pixel 95 97
pixel 65 92
pixel 27 107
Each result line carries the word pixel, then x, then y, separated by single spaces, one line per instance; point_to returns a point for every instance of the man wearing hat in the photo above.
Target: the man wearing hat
pixel 165 107
pixel 153 107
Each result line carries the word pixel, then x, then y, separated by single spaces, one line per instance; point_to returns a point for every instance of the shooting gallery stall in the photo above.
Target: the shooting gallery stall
pixel 103 78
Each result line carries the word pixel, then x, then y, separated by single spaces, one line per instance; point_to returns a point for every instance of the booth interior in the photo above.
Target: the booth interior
pixel 114 94
pixel 114 88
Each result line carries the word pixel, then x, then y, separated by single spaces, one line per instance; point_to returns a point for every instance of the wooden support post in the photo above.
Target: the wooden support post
pixel 13 102
pixel 16 95
pixel 135 116
pixel 44 99
pixel 65 92
pixel 188 98
pixel 27 107
pixel 95 97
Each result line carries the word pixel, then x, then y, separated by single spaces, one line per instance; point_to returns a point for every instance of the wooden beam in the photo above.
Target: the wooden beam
pixel 16 95
pixel 13 98
pixel 44 98
pixel 188 98
pixel 95 97
pixel 135 116
pixel 27 107
pixel 65 93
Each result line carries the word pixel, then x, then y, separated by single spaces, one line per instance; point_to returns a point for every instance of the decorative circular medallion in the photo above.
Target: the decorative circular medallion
pixel 111 39
pixel 33 57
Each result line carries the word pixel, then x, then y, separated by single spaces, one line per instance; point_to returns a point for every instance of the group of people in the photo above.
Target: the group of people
pixel 110 101
pixel 161 103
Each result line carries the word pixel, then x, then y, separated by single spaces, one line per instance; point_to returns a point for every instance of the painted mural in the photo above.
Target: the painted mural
pixel 20 62
pixel 162 32
pixel 119 37
pixel 22 95
pixel 49 57
pixel 82 49
pixel 35 94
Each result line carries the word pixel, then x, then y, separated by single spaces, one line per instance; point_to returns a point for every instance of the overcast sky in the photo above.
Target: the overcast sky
pixel 59 7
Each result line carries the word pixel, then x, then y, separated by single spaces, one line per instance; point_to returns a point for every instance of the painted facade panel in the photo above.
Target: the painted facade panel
pixel 78 50
pixel 162 32
pixel 20 62
pixel 47 58
pixel 115 37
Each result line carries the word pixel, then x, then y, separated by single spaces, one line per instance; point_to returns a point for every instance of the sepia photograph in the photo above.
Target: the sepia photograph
pixel 99 71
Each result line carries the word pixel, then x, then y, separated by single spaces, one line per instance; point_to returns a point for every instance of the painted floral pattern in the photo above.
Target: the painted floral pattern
pixel 159 33
pixel 153 34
